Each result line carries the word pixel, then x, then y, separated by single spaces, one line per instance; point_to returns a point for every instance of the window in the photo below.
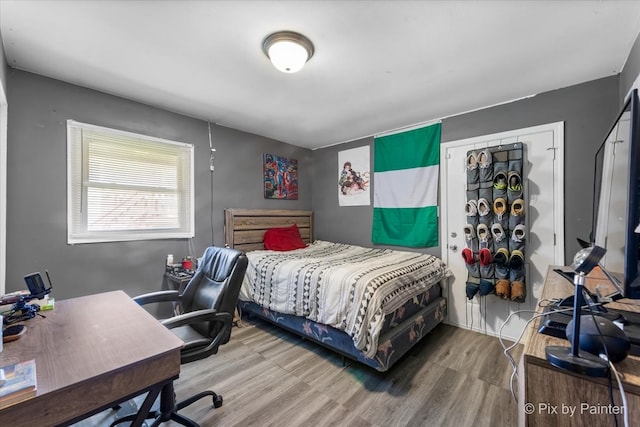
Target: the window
pixel 124 186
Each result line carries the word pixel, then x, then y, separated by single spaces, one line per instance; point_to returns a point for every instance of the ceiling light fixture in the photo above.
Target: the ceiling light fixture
pixel 288 51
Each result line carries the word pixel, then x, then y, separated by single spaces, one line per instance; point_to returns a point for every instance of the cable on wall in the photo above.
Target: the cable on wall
pixel 211 168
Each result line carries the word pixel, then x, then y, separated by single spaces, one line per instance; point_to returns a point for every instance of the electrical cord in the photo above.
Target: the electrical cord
pixel 611 395
pixel 605 356
pixel 506 350
pixel 625 408
pixel 548 302
pixel 21 312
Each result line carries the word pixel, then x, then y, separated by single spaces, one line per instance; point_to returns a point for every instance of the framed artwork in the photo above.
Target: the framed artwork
pixel 280 177
pixel 353 177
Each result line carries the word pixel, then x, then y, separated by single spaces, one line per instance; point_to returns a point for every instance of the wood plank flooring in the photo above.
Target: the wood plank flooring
pixel 269 377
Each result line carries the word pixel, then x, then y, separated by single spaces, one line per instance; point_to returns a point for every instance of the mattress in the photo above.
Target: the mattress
pixel 350 288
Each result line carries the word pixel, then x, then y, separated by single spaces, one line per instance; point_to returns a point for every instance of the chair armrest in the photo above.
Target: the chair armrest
pixel 160 296
pixel 208 315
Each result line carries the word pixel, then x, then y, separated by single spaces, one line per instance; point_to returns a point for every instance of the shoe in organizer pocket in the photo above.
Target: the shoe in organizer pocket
pixel 516 260
pixel 487 287
pixel 518 292
pixel 485 165
pixel 468 256
pixel 501 262
pixel 499 208
pixel 499 236
pixel 517 207
pixel 517 214
pixel 471 262
pixel 484 211
pixel 472 167
pixel 472 287
pixel 518 238
pixel 501 257
pixel 471 212
pixel 503 289
pixel 484 237
pixel 514 186
pixel 470 237
pixel 500 185
pixel 485 257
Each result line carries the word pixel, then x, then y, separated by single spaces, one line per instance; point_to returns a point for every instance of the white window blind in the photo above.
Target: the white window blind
pixel 124 186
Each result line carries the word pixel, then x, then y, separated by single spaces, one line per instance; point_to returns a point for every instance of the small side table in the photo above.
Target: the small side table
pixel 177 281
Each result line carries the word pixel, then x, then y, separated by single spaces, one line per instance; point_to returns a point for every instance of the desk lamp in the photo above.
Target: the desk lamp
pixel 571 358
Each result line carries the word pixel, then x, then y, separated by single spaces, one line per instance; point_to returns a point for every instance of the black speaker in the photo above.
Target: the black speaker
pixel 594 339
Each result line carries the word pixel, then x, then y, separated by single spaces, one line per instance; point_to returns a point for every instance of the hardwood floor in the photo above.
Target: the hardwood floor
pixel 268 377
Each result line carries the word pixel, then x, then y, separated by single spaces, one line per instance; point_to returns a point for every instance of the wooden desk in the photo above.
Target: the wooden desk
pixel 546 389
pixel 91 353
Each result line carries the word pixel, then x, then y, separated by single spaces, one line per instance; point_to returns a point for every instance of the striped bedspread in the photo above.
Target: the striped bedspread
pixel 348 287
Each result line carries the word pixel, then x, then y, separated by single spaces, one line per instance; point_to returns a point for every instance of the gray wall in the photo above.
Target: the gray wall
pixel 631 70
pixel 36 205
pixel 588 111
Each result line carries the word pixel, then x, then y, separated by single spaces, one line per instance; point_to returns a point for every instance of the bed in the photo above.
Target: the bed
pixel 371 305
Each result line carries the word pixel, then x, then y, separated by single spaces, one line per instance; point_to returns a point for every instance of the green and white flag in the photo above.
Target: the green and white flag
pixel 405 200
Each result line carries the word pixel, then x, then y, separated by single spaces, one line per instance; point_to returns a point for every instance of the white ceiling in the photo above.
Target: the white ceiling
pixel 378 65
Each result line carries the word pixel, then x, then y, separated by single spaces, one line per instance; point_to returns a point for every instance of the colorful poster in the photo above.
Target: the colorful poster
pixel 280 177
pixel 353 177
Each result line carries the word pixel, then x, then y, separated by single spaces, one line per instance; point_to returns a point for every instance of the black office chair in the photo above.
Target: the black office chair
pixel 208 303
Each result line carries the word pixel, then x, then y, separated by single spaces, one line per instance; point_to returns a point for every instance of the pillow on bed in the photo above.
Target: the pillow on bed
pixel 283 239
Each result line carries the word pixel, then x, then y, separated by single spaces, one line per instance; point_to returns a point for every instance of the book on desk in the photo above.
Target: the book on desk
pixel 17 382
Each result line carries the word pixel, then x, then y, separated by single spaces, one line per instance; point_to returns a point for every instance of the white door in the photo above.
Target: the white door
pixel 543 181
pixel 3 189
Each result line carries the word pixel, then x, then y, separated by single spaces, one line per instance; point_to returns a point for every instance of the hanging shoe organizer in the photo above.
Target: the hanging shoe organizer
pixel 495 231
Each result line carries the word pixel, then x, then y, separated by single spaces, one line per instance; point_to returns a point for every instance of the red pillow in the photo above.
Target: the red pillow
pixel 283 239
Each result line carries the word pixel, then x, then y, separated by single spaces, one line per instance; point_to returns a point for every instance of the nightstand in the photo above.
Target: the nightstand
pixel 177 281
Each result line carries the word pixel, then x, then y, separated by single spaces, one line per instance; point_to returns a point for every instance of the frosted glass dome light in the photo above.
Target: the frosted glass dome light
pixel 288 51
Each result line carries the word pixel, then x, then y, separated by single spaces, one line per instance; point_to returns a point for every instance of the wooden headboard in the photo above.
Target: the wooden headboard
pixel 244 228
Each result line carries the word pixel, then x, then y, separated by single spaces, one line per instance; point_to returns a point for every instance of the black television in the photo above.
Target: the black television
pixel 616 215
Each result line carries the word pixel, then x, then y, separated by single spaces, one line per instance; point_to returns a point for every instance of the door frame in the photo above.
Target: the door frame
pixel 558 178
pixel 3 189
